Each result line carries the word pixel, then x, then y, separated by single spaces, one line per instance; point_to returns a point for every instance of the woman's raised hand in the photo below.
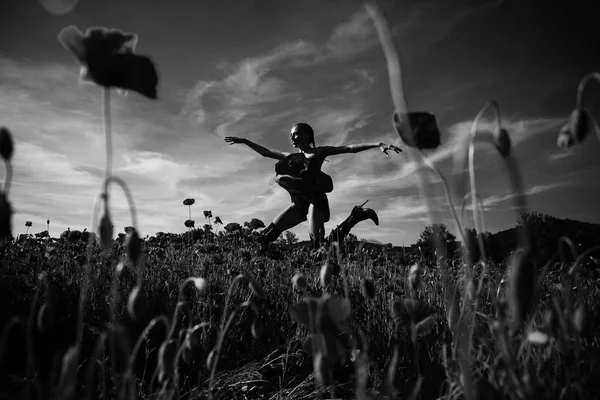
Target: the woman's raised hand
pixel 234 139
pixel 389 147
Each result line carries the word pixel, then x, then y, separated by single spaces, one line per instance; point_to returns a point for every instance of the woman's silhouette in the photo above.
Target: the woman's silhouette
pixel 300 174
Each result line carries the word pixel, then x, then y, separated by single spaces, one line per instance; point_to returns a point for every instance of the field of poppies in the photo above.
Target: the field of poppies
pixel 203 315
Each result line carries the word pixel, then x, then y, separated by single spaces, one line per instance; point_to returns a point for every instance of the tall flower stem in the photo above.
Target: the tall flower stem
pixel 7 177
pixel 107 133
pixel 580 92
pixel 493 105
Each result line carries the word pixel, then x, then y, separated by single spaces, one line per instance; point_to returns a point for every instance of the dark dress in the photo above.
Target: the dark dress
pixel 308 169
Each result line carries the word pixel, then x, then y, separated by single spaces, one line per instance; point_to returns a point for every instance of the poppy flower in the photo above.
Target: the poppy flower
pixel 426 134
pixel 189 223
pixel 256 223
pixel 218 221
pixel 188 202
pixel 107 59
pixel 232 227
pixel 207 214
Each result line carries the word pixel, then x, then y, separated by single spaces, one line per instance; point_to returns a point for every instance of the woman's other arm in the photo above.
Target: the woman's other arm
pixel 326 151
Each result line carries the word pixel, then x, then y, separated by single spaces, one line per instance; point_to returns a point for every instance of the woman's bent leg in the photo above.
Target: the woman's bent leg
pixel 287 219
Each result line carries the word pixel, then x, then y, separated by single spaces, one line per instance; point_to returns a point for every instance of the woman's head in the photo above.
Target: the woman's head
pixel 302 135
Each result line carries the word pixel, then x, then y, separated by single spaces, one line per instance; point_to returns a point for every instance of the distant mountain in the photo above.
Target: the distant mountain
pixel 544 234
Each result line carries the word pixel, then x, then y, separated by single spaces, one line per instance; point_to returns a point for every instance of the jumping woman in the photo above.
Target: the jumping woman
pixel 300 174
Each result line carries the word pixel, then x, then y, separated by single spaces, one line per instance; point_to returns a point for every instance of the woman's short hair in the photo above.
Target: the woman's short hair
pixel 306 129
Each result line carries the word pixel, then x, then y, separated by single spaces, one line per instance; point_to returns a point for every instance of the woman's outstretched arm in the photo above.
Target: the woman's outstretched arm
pixel 327 151
pixel 263 151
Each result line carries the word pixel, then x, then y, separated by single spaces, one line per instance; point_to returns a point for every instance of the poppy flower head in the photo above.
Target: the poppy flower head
pixel 108 59
pixel 426 134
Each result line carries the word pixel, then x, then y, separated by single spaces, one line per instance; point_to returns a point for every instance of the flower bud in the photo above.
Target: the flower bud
pixel 186 352
pixel 258 328
pixel 68 374
pixel 326 274
pixel 211 359
pixel 414 276
pixel 579 124
pixel 201 284
pixel 368 288
pixel 502 141
pixel 565 138
pixel 6 144
pixel 133 244
pixel 136 304
pixel 299 282
pixel 45 318
pixel 579 319
pixel 166 360
pixel 256 288
pixel 521 287
pixel 106 231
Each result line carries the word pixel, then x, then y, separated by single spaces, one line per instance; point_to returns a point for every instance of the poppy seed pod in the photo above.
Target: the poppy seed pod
pixel 426 134
pixel 186 352
pixel 521 287
pixel 502 141
pixel 579 124
pixel 565 138
pixel 256 288
pixel 136 304
pixel 106 231
pixel 368 288
pixel 299 282
pixel 257 328
pixel 6 144
pixel 5 216
pixel 579 319
pixel 166 360
pixel 133 245
pixel 201 284
pixel 326 274
pixel 45 318
pixel 68 373
pixel 414 276
pixel 211 359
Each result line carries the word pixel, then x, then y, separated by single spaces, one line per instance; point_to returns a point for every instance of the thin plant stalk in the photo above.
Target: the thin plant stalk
pixel 493 105
pixel 7 177
pixel 393 59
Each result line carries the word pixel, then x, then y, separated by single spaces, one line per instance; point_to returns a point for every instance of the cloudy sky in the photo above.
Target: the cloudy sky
pixel 252 68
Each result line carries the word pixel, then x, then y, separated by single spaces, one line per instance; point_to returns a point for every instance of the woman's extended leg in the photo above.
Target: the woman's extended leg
pixel 287 219
pixel 357 215
pixel 316 226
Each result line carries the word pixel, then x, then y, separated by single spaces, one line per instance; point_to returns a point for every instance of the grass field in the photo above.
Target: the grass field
pixel 263 354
